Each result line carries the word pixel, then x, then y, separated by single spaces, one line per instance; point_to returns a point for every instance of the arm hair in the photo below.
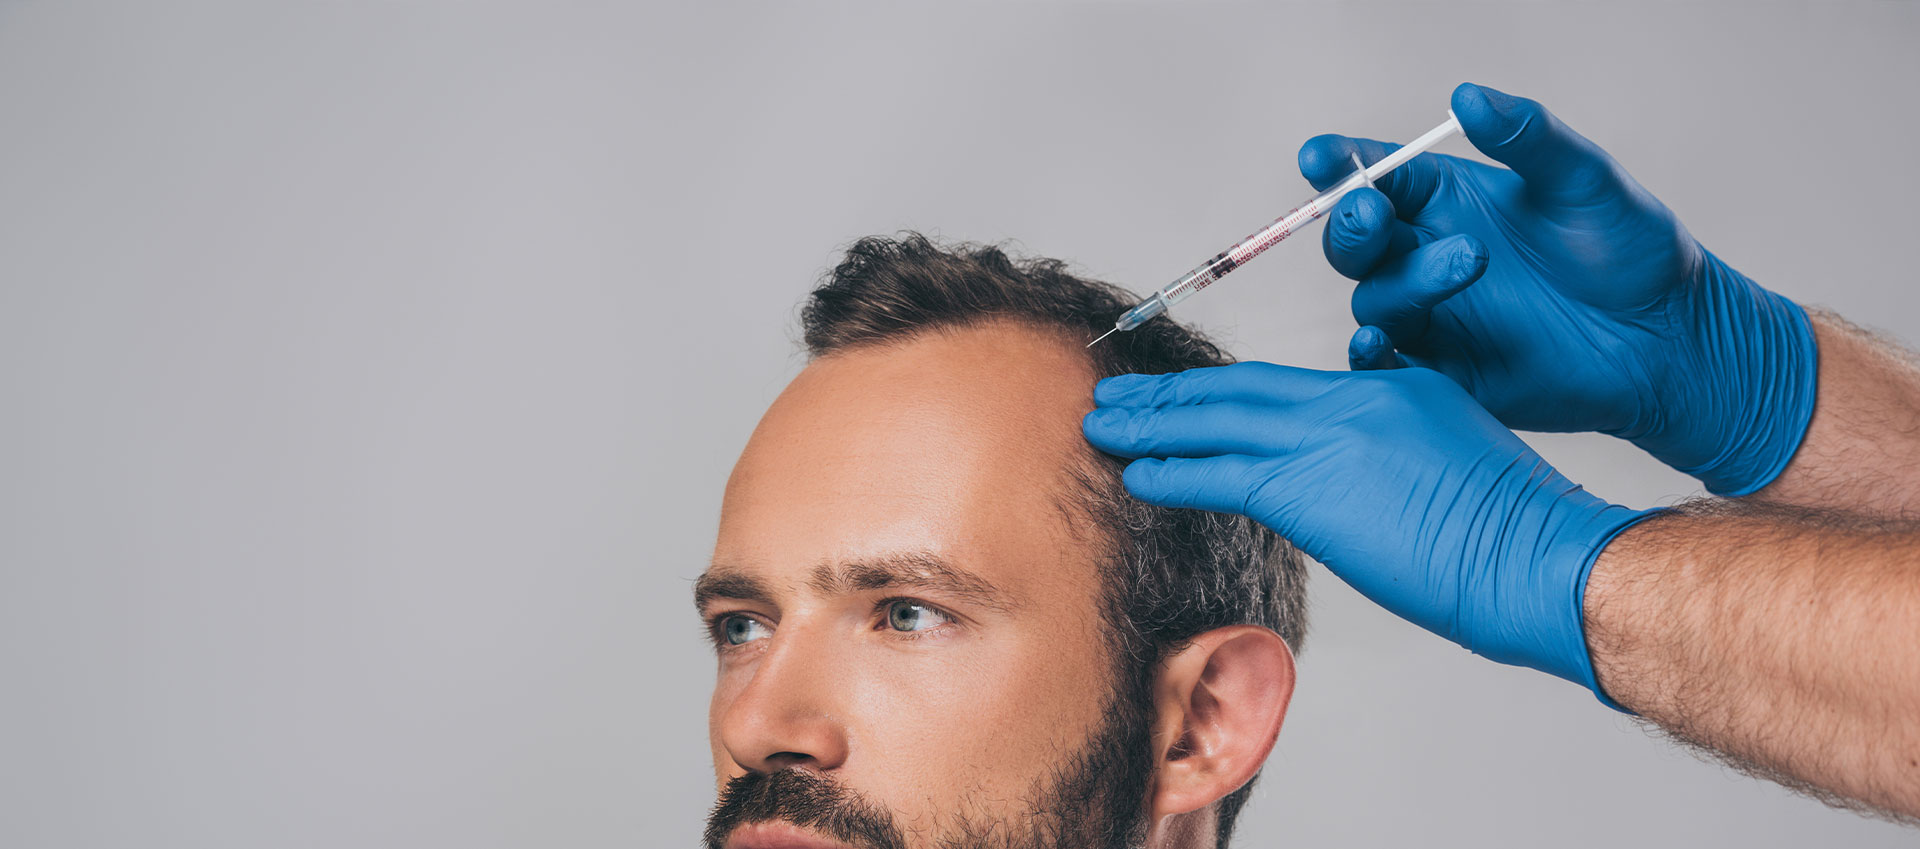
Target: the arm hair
pixel 1783 641
pixel 1861 452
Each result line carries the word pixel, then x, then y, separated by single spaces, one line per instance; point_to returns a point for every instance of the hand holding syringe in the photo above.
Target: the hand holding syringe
pixel 1272 234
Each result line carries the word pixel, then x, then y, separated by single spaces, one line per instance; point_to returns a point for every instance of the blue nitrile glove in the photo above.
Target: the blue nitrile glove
pixel 1396 480
pixel 1594 308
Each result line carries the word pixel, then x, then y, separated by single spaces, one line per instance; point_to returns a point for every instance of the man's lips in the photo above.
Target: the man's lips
pixel 778 835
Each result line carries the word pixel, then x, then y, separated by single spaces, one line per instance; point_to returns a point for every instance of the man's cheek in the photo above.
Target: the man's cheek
pixel 933 740
pixel 989 711
pixel 1010 677
pixel 944 677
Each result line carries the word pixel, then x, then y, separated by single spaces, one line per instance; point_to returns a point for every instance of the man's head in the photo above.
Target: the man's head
pixel 941 621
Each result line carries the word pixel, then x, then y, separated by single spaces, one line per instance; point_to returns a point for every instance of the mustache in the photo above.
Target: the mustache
pixel 804 799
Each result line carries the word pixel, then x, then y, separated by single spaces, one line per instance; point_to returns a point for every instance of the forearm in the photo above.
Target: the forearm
pixel 1861 452
pixel 1789 642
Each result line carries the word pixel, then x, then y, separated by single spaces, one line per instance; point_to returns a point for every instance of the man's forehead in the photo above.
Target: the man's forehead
pixel 1002 399
pixel 963 443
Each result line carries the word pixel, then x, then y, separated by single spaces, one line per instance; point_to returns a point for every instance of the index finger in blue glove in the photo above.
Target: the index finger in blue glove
pixel 1247 382
pixel 1325 159
pixel 1199 430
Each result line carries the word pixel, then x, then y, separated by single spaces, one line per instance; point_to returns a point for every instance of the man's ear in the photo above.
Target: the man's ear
pixel 1218 705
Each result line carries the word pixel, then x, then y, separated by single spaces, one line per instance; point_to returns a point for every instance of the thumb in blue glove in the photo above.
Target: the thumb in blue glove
pixel 1564 297
pixel 1395 480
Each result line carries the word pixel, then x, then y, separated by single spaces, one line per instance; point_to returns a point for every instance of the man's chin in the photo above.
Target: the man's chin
pixel 779 835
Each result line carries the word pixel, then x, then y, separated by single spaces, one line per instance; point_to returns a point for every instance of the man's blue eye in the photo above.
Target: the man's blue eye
pixel 740 630
pixel 913 616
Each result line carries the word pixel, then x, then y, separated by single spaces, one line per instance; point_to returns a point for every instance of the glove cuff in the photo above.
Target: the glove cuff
pixel 1551 634
pixel 1759 375
pixel 1543 625
pixel 1588 678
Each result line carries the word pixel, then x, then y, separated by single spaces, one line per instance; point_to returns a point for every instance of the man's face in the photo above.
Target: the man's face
pixel 906 618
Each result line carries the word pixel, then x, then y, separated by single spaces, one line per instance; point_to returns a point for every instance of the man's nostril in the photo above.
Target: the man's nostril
pixel 783 760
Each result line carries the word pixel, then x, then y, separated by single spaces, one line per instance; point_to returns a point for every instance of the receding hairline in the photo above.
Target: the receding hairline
pixel 952 328
pixel 1087 468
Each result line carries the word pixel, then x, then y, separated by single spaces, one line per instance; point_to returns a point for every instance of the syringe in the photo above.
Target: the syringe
pixel 1272 234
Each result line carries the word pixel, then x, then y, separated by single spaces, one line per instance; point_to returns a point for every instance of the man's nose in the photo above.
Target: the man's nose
pixel 791 713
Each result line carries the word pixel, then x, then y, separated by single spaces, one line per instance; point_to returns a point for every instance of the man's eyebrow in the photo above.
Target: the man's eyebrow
pixel 909 571
pixel 723 584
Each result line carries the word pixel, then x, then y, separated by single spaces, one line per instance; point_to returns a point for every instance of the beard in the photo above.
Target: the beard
pixel 1094 800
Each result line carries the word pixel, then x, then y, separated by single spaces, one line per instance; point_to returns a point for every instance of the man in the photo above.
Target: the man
pixel 1778 626
pixel 940 621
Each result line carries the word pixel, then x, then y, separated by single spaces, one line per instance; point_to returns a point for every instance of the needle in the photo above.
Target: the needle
pixel 1103 336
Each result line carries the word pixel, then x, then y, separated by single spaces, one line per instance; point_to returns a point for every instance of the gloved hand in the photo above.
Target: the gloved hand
pixel 1396 480
pixel 1564 297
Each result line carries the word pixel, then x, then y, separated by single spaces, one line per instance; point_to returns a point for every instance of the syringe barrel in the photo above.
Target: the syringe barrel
pixel 1286 225
pixel 1253 245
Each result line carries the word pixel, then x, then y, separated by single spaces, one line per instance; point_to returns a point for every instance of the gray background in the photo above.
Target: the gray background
pixel 371 371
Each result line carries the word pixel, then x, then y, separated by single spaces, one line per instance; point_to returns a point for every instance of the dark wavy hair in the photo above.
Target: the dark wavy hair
pixel 1170 574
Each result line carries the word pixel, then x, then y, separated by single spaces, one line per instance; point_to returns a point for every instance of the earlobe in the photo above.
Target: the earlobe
pixel 1219 703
